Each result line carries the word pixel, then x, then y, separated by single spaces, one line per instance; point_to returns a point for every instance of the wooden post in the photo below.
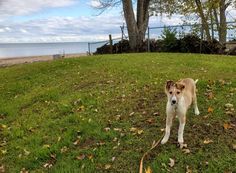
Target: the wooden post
pixel 110 41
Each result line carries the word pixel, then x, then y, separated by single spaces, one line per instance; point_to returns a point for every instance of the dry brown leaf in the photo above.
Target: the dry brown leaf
pixel 234 146
pixel 148 170
pixel 227 126
pixel 76 142
pixel 133 129
pixel 210 110
pixel 80 157
pixel 150 120
pixel 207 141
pixel 140 132
pixel 106 129
pixel 3 126
pixel 188 170
pixel 23 170
pixel 210 95
pixel 64 149
pixel 107 166
pixel 2 169
pixel 90 156
pixel 186 151
pixel 171 163
pixel 183 146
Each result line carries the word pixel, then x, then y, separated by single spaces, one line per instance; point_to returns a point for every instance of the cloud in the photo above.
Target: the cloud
pixel 95 3
pixel 55 29
pixel 25 7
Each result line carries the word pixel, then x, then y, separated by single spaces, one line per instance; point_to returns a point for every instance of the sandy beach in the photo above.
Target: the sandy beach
pixel 30 59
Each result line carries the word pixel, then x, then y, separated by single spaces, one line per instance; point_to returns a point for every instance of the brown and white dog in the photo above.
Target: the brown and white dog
pixel 181 95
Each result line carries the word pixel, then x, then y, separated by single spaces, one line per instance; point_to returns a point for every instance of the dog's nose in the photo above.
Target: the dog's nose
pixel 173 101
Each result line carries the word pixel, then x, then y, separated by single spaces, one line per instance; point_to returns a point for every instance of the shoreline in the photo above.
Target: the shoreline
pixel 30 59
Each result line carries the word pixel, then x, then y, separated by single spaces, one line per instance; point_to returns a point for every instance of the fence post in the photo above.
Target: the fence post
pixel 148 41
pixel 89 49
pixel 110 41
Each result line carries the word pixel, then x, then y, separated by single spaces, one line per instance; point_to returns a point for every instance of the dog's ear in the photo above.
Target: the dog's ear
pixel 180 86
pixel 169 83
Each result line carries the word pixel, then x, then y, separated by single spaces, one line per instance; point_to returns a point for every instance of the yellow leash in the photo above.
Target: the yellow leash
pixel 154 145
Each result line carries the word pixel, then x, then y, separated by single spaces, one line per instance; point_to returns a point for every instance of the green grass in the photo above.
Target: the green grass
pixel 45 107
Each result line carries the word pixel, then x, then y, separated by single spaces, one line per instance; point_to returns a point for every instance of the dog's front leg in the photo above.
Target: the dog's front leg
pixel 182 121
pixel 169 119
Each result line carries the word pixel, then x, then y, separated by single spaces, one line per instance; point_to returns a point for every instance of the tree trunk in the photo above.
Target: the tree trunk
pixel 204 20
pixel 223 25
pixel 131 23
pixel 136 30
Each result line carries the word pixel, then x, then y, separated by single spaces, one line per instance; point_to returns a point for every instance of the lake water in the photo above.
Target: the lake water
pixel 8 50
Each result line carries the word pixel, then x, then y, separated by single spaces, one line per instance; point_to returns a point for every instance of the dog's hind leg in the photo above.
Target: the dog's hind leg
pixel 196 111
pixel 169 120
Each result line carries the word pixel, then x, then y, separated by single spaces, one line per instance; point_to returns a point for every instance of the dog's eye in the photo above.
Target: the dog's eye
pixel 178 92
pixel 171 92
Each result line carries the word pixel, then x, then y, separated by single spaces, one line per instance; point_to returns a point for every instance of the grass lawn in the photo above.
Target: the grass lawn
pixel 101 113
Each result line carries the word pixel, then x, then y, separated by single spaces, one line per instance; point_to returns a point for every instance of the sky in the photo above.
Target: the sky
pixel 62 21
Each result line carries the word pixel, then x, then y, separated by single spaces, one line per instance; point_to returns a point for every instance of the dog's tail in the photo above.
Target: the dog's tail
pixel 196 81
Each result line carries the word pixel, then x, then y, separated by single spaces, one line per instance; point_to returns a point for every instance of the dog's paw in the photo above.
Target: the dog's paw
pixel 164 140
pixel 197 112
pixel 180 141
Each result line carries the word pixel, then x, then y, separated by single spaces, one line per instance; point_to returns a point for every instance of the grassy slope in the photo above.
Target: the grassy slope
pixel 47 106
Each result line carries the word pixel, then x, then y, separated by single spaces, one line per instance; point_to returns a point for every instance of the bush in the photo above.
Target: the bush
pixel 170 42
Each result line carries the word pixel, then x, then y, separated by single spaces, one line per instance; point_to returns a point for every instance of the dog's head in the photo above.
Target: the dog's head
pixel 174 91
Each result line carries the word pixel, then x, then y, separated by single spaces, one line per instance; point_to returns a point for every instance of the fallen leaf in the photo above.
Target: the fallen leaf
pixel 229 105
pixel 107 166
pixel 207 141
pixel 132 113
pixel 101 143
pixel 80 157
pixel 234 146
pixel 188 170
pixel 186 151
pixel 227 126
pixel 59 139
pixel 171 163
pixel 133 129
pixel 210 110
pixel 148 170
pixel 64 149
pixel 183 146
pixel 76 142
pixel 107 129
pixel 90 156
pixel 113 159
pixel 117 129
pixel 210 95
pixel 3 126
pixel 26 152
pixel 2 169
pixel 156 113
pixel 140 132
pixel 46 146
pixel 23 170
pixel 150 120
pixel 4 151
